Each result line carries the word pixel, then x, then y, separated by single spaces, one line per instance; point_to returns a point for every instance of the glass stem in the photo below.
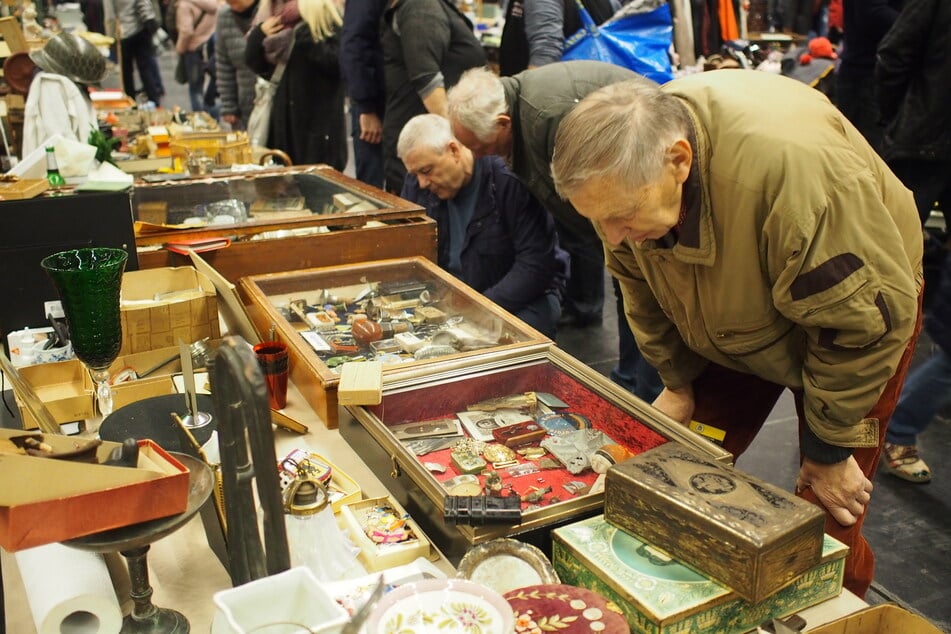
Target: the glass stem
pixel 103 390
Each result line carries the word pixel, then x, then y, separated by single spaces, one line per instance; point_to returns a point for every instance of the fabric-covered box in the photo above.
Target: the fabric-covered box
pixel 660 595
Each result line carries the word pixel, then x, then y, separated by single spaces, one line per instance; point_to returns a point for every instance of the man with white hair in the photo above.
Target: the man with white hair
pixel 493 234
pixel 762 245
pixel 516 118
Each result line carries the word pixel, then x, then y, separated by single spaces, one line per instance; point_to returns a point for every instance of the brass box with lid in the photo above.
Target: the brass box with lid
pixel 550 495
pixel 281 219
pixel 414 314
pixel 747 534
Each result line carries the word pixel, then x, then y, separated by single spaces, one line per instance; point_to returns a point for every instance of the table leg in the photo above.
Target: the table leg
pixel 145 617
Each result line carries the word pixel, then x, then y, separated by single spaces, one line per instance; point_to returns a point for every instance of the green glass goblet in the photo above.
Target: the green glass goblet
pixel 88 282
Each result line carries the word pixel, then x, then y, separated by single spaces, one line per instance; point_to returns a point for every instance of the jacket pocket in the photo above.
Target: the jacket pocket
pixel 750 337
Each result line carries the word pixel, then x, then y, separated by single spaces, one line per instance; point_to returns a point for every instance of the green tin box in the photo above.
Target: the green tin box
pixel 660 595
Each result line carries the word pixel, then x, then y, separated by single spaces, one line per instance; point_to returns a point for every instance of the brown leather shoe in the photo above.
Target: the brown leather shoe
pixel 903 461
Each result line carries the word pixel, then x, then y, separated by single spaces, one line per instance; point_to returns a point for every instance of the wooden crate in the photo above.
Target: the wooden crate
pixel 747 534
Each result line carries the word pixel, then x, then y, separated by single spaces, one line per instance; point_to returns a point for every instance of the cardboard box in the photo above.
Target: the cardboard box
pixel 65 387
pixel 374 556
pixel 163 306
pixel 746 533
pixel 885 617
pixel 66 499
pixel 660 595
pixel 158 383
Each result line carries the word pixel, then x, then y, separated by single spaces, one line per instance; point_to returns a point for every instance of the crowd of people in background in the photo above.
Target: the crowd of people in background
pixel 394 61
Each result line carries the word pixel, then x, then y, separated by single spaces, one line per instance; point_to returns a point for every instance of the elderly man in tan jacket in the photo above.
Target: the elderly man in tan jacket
pixel 761 244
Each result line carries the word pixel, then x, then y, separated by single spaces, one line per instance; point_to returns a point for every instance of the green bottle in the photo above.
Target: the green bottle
pixel 52 169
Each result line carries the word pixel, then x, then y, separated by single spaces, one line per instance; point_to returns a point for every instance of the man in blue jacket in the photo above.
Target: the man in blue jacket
pixel 493 234
pixel 361 64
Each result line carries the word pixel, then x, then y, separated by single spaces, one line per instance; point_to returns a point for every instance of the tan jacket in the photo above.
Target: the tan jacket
pixel 799 259
pixel 195 21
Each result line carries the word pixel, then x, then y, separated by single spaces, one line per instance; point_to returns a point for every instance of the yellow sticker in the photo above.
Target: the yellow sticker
pixel 713 433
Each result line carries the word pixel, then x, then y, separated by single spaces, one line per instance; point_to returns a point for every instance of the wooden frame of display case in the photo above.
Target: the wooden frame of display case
pixel 397 228
pixel 318 382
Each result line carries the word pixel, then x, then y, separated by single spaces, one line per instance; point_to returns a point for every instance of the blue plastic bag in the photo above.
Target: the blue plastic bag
pixel 640 42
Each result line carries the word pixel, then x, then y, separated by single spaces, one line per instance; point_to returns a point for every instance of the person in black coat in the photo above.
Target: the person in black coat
pixel 865 22
pixel 493 234
pixel 913 76
pixel 307 116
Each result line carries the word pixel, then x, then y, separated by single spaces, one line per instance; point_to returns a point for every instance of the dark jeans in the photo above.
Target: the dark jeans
pixel 927 389
pixel 632 371
pixel 367 157
pixel 543 315
pixel 195 65
pixel 138 48
pixel 856 99
pixel 584 295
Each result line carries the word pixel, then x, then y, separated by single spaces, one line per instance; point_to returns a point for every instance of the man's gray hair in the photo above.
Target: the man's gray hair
pixel 620 131
pixel 424 130
pixel 476 101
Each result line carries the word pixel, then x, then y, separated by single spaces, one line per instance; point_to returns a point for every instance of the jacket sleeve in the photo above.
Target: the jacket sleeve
pixel 254 53
pixel 361 56
pixel 543 29
pixel 901 52
pixel 854 297
pixel 657 337
pixel 226 75
pixel 423 56
pixel 533 236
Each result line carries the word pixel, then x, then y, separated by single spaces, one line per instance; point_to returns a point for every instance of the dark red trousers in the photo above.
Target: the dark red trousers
pixel 739 404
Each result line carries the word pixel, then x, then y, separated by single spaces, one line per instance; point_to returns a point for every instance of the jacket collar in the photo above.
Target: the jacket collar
pixel 696 243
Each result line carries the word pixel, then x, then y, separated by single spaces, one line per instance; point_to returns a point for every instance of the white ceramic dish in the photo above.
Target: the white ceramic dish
pixel 506 564
pixel 285 603
pixel 442 606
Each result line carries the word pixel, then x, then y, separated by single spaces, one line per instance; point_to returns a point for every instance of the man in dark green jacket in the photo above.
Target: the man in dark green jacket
pixel 516 118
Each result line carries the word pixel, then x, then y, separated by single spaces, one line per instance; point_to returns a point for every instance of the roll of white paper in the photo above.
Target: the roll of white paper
pixel 69 591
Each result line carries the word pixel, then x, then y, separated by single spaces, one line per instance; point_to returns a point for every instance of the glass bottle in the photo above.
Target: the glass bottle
pixel 312 534
pixel 52 169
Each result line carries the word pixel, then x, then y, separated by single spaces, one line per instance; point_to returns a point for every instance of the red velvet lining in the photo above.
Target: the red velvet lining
pixel 443 400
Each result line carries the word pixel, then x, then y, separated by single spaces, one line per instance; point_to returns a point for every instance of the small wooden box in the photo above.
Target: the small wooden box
pixel 380 556
pixel 23 188
pixel 747 534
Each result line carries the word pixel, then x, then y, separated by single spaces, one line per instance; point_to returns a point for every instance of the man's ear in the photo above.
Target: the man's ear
pixel 454 149
pixel 503 122
pixel 680 155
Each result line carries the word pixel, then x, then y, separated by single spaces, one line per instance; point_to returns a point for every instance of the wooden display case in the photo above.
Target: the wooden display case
pixel 410 296
pixel 297 218
pixel 434 393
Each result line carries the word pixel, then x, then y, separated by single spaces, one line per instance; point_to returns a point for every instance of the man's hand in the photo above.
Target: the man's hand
pixel 678 404
pixel 230 119
pixel 841 488
pixel 371 128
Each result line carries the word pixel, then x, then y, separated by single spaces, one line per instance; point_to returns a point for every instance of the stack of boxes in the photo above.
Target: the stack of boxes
pixel 689 545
